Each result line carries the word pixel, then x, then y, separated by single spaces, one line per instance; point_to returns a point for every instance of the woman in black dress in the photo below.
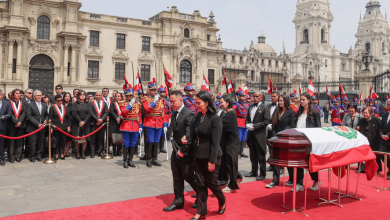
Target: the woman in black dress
pixel 68 106
pixel 207 131
pixel 115 122
pixel 282 120
pixel 80 122
pixel 16 126
pixel 60 117
pixel 230 142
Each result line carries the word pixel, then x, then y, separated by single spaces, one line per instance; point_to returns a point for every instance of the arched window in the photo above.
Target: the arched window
pixel 185 71
pixel 306 35
pixel 252 75
pixel 322 35
pixel 43 28
pixel 368 47
pixel 187 33
pixel 383 46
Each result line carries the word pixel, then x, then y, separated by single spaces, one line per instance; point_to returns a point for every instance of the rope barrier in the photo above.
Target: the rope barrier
pixel 26 135
pixel 79 138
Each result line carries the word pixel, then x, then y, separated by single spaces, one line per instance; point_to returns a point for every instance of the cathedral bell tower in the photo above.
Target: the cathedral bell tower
pixel 313 20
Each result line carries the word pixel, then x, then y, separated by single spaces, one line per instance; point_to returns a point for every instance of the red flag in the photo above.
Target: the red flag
pixel 246 90
pixel 311 89
pixel 125 84
pixel 205 84
pixel 230 86
pixel 223 70
pixel 373 93
pixel 224 81
pixel 269 86
pixel 137 84
pixel 327 92
pixel 360 98
pixel 276 88
pixel 342 91
pixel 300 90
pixel 168 79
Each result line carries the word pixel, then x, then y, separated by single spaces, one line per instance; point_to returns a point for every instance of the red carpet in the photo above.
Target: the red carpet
pixel 252 201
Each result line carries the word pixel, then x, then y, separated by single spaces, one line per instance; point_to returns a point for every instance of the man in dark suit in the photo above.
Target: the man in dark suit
pixel 257 121
pixel 37 117
pixel 99 112
pixel 182 154
pixel 5 114
pixel 272 107
pixel 59 90
pixel 384 144
pixel 27 99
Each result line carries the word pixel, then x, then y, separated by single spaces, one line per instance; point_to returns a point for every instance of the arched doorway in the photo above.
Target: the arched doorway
pixel 185 71
pixel 41 75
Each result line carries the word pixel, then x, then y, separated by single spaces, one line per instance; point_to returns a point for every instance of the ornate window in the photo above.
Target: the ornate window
pixel 211 77
pixel 119 70
pixel 252 75
pixel 306 35
pixel 187 33
pixel 322 35
pixel 145 43
pixel 120 41
pixel 94 38
pixel 43 28
pixel 368 47
pixel 145 73
pixel 185 71
pixel 93 69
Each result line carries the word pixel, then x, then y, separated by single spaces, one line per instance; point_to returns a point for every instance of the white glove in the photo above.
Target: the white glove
pixel 169 121
pixel 330 112
pixel 341 111
pixel 132 101
pixel 140 130
pixel 249 126
pixel 373 108
pixel 165 130
pixel 156 98
pixel 269 127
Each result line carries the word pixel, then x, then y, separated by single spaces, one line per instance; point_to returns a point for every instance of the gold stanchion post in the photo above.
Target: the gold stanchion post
pixel 107 155
pixel 49 160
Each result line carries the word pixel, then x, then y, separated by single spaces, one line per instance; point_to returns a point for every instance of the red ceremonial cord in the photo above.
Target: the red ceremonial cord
pixel 79 138
pixel 26 135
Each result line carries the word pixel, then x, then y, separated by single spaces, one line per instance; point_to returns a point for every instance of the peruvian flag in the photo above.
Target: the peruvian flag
pixel 342 91
pixel 230 86
pixel 360 98
pixel 276 88
pixel 168 78
pixel 246 90
pixel 269 86
pixel 373 94
pixel 224 81
pixel 310 89
pixel 137 84
pixel 300 90
pixel 339 146
pixel 327 92
pixel 205 84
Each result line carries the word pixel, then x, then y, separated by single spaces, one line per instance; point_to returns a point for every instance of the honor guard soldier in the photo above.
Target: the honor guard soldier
pixel 189 101
pixel 167 115
pixel 316 106
pixel 294 101
pixel 335 109
pixel 375 107
pixel 356 101
pixel 344 106
pixel 131 126
pixel 217 103
pixel 241 108
pixel 367 102
pixel 153 122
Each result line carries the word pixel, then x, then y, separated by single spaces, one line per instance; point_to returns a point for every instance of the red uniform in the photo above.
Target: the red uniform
pixel 131 119
pixel 294 107
pixel 167 110
pixel 154 116
pixel 241 112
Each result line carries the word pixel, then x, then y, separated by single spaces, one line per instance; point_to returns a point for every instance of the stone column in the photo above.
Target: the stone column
pixel 10 58
pixel 19 59
pixel 73 65
pixel 65 68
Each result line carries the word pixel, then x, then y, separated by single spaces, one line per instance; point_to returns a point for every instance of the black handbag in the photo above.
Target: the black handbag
pixel 53 142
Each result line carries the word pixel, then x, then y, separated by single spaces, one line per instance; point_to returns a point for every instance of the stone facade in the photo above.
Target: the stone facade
pixel 47 42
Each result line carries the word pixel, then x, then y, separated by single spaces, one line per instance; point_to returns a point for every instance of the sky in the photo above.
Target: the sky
pixel 241 21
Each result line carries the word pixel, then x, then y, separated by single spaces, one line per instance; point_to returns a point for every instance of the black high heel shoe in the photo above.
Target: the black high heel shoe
pixel 221 211
pixel 204 217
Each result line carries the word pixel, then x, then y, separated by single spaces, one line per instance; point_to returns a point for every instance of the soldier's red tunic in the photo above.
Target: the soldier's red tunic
pixel 131 119
pixel 154 115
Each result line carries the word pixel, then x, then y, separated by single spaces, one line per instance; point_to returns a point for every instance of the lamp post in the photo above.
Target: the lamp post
pixel 367 60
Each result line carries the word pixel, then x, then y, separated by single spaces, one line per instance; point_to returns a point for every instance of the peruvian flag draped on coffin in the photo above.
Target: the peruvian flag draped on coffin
pixel 337 147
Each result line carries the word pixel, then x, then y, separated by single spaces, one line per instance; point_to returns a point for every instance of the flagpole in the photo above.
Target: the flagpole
pixel 165 74
pixel 132 67
pixel 155 66
pixel 140 82
pixel 341 98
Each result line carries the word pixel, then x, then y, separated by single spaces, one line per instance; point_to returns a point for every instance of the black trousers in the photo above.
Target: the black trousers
pixel 384 148
pixel 36 142
pixel 326 116
pixel 230 164
pixel 97 139
pixel 60 142
pixel 300 173
pixel 15 146
pixel 276 174
pixel 2 149
pixel 257 155
pixel 182 171
pixel 207 180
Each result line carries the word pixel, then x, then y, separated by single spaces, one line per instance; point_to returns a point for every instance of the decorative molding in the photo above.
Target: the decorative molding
pixel 43 47
pixel 146 58
pixel 120 56
pixel 93 55
pixel 93 80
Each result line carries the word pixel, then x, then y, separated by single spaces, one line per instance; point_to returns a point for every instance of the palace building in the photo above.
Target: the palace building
pixel 50 42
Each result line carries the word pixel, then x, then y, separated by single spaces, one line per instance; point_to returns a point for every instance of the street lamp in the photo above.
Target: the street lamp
pixel 367 60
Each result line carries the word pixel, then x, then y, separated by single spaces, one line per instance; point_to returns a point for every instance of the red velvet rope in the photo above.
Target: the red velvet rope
pixel 26 135
pixel 78 138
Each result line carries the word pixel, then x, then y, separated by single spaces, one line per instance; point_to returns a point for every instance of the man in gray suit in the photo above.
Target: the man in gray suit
pixel 5 114
pixel 257 121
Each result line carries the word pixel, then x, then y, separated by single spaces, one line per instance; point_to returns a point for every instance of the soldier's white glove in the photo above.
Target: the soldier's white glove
pixel 132 101
pixel 269 127
pixel 341 111
pixel 140 130
pixel 330 112
pixel 156 98
pixel 165 130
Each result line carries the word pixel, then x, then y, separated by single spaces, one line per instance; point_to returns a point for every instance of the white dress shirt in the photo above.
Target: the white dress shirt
pixel 302 121
pixel 273 108
pixel 253 111
pixel 178 111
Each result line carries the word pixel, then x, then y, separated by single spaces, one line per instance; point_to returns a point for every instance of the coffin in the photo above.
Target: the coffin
pixel 290 148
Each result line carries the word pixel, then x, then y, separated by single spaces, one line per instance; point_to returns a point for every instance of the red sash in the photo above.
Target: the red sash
pixel 17 110
pixel 61 114
pixel 99 112
pixel 118 109
pixel 74 99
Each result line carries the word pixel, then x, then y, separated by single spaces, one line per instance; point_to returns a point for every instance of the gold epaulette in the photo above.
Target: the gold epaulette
pixel 143 99
pixel 123 103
